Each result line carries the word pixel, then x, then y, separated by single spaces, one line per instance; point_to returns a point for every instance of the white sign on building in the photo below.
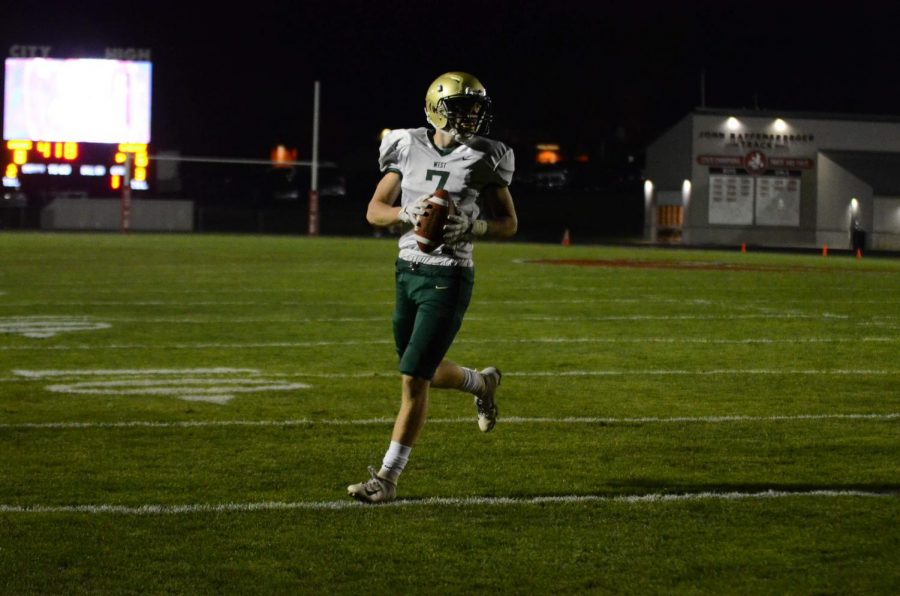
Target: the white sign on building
pixel 778 201
pixel 730 200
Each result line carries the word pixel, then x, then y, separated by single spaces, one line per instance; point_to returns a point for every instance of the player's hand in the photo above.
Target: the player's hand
pixel 460 228
pixel 410 211
pixel 456 228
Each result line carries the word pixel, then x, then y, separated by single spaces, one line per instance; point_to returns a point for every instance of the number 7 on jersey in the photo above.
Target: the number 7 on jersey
pixel 442 177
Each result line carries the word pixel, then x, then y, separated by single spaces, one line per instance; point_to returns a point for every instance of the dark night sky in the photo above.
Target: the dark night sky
pixel 236 82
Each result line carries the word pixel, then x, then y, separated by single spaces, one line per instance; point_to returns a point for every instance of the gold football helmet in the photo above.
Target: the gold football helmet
pixel 457 103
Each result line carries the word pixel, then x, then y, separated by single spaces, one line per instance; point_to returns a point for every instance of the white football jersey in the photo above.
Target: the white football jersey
pixel 463 171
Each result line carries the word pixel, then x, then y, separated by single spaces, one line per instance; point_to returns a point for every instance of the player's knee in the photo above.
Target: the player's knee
pixel 415 387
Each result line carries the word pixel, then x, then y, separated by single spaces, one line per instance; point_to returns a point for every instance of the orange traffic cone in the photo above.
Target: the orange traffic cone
pixel 743 247
pixel 567 238
pixel 824 250
pixel 858 253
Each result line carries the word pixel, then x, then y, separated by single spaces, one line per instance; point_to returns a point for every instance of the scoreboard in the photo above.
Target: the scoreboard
pixel 75 125
pixel 59 166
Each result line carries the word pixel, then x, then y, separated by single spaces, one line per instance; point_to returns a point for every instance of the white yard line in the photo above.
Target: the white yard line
pixel 596 295
pixel 712 372
pixel 176 387
pixel 861 372
pixel 387 421
pixel 214 385
pixel 463 340
pixel 624 373
pixel 43 327
pixel 70 374
pixel 42 374
pixel 50 303
pixel 474 316
pixel 306 303
pixel 653 498
pixel 723 317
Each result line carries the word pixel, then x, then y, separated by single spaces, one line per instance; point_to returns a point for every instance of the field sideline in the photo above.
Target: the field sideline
pixel 183 413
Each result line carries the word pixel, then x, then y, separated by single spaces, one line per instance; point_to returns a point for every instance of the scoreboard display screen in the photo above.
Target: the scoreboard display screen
pixel 75 124
pixel 81 100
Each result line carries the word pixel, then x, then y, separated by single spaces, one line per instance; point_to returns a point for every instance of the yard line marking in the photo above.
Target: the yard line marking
pixel 651 498
pixel 196 346
pixel 548 373
pixel 622 373
pixel 196 424
pixel 47 303
pixel 473 317
pixel 683 317
pixel 41 374
pixel 688 340
pixel 461 420
pixel 213 385
pixel 700 419
pixel 42 327
pixel 462 340
pixel 23 304
pixel 184 388
pixel 477 317
pixel 712 372
pixel 601 295
pixel 141 303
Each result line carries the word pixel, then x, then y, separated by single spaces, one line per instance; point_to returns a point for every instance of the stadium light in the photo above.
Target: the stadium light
pixel 733 123
pixel 685 192
pixel 648 191
pixel 853 215
pixel 780 125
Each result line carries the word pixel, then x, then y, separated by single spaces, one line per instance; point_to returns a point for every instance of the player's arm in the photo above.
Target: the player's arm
pixel 381 211
pixel 504 224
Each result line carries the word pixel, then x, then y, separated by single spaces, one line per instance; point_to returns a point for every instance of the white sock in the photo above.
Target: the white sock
pixel 394 461
pixel 472 381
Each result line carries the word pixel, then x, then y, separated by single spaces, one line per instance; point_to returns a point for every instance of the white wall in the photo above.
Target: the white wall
pixel 837 187
pixel 850 135
pixel 147 215
pixel 669 158
pixel 886 224
pixel 669 161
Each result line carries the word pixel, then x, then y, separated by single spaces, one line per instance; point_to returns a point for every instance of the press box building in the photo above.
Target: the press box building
pixel 775 179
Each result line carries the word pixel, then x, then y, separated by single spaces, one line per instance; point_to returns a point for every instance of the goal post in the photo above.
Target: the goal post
pixel 314 174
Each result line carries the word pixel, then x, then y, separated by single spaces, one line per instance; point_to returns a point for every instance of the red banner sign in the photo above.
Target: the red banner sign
pixel 757 159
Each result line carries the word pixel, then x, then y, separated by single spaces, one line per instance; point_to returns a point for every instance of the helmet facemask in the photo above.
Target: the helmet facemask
pixel 466 115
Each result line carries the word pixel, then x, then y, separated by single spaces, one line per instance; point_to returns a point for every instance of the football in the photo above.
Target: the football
pixel 429 228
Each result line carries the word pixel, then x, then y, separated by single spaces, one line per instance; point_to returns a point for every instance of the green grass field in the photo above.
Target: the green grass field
pixel 182 414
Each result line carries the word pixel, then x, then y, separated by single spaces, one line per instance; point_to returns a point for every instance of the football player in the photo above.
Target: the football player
pixel 433 289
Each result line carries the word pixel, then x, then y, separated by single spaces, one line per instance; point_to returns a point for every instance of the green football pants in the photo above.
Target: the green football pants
pixel 431 302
